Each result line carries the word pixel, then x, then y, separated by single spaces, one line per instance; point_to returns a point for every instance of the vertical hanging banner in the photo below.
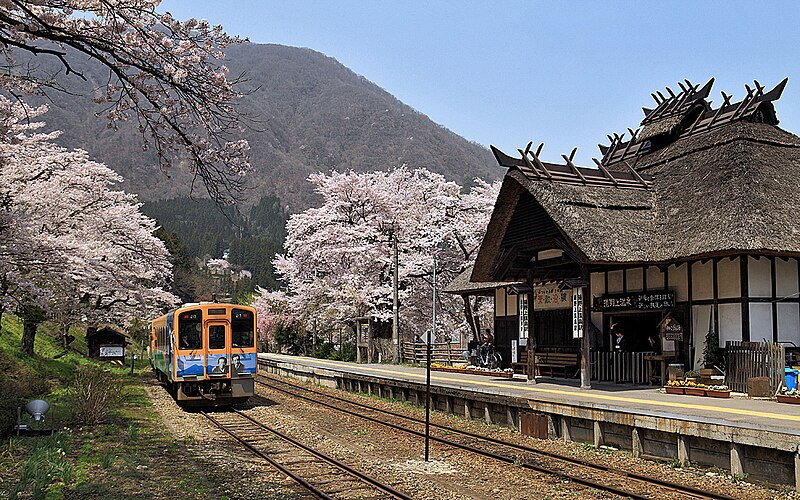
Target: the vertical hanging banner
pixel 523 315
pixel 577 313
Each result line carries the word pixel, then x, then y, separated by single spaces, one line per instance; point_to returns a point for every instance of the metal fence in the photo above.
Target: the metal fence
pixel 745 360
pixel 415 352
pixel 620 367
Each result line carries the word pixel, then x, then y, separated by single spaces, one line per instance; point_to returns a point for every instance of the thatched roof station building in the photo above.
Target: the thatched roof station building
pixel 691 217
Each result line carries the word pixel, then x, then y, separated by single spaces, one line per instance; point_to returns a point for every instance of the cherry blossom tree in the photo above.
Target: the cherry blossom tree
pixel 338 260
pixel 165 74
pixel 71 245
pixel 274 312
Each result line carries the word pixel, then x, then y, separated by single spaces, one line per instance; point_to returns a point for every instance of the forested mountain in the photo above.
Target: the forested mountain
pixel 305 112
pixel 197 228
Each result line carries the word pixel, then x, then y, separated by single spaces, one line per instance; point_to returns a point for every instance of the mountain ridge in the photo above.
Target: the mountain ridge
pixel 308 113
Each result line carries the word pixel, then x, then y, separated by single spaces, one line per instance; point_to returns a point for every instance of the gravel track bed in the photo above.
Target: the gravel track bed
pixel 397 458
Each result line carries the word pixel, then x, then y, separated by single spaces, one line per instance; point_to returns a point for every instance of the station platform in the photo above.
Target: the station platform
pixel 755 437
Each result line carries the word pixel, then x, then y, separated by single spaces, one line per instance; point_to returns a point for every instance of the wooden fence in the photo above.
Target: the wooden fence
pixel 620 367
pixel 415 352
pixel 744 360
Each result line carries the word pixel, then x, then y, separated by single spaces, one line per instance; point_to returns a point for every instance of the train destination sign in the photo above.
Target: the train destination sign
pixel 635 300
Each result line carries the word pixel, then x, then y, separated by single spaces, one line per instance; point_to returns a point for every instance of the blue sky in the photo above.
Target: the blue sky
pixel 508 72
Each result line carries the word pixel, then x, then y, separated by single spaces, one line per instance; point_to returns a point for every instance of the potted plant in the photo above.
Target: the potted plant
pixel 674 386
pixel 718 391
pixel 694 389
pixel 789 396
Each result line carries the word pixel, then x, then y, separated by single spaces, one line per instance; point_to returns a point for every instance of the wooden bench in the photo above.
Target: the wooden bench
pixel 565 362
pixel 522 365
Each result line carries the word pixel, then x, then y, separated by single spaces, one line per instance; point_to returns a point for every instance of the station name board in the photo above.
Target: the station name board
pixel 635 300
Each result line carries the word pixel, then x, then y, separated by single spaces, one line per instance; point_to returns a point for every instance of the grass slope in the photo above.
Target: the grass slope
pixel 130 455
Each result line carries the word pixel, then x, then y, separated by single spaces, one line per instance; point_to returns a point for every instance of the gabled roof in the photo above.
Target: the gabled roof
pixel 461 284
pixel 732 187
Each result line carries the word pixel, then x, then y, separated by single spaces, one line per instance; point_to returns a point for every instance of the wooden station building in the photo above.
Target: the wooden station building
pixel 690 224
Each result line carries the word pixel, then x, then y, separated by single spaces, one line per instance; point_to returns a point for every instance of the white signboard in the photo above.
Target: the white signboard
pixel 112 351
pixel 551 297
pixel 523 316
pixel 577 313
pixel 514 351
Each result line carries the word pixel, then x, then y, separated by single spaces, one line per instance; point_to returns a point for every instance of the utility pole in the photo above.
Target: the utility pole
pixel 395 312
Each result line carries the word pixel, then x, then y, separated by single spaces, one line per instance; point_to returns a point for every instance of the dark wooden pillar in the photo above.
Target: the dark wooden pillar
pixel 586 363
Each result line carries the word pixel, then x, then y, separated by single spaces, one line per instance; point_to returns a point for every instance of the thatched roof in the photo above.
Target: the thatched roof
pixel 461 285
pixel 722 191
pixel 733 189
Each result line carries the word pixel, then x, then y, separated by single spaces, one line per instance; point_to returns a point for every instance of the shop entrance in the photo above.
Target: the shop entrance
pixel 637 327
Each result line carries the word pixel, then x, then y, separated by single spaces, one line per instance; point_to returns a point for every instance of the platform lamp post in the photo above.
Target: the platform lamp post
pixel 428 341
pixel 395 312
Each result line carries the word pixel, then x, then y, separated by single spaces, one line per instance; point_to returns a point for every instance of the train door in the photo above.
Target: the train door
pixel 218 354
pixel 243 343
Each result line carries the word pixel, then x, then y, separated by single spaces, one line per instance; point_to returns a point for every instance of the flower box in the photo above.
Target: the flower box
pixel 782 398
pixel 694 391
pixel 673 389
pixel 714 393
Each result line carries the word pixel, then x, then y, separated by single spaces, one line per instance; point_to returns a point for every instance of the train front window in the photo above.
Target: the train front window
pixel 190 324
pixel 216 337
pixel 243 328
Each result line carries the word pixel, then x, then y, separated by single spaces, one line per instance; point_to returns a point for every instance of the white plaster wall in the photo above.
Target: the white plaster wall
pixel 760 322
pixel 615 281
pixel 702 280
pixel 786 277
pixel 700 317
pixel 759 277
pixel 678 281
pixel 499 302
pixel 728 280
pixel 635 279
pixel 655 278
pixel 511 305
pixel 789 323
pixel 598 282
pixel 730 323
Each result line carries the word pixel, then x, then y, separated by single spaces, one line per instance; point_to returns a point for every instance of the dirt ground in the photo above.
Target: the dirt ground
pixel 397 458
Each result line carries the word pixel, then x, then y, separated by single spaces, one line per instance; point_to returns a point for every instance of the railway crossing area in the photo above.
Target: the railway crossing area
pixel 757 438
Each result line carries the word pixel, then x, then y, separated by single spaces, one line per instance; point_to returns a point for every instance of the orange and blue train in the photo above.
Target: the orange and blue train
pixel 206 353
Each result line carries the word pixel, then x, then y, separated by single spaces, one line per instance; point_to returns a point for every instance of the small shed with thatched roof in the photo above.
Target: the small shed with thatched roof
pixel 692 217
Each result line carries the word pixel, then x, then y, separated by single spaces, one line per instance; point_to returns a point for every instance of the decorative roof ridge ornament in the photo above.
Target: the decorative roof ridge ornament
pixel 674 117
pixel 534 169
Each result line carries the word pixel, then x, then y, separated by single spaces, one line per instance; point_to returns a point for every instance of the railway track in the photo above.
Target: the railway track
pixel 321 475
pixel 612 480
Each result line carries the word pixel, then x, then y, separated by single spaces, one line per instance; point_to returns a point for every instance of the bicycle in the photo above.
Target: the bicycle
pixel 488 357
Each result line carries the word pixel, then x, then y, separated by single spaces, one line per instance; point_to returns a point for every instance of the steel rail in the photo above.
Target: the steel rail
pixel 302 482
pixel 330 460
pixel 685 489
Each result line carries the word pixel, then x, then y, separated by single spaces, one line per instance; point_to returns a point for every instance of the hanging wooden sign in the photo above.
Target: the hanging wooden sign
pixel 671 329
pixel 636 300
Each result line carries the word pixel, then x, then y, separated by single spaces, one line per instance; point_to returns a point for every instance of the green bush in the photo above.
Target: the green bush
pixel 324 350
pixel 94 393
pixel 19 383
pixel 346 352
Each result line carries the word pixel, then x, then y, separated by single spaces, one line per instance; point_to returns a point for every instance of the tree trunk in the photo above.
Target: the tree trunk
pixel 28 334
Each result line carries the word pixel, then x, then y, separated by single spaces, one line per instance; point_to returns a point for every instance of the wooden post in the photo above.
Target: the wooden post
pixel 683 451
pixel 636 443
pixel 737 468
pixel 598 434
pixel 586 367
